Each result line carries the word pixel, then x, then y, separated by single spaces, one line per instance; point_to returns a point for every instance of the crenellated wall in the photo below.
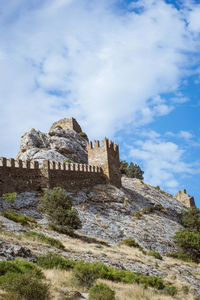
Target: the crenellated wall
pixel 20 176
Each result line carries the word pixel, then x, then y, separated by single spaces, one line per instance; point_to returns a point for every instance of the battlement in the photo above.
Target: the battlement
pixel 12 163
pixel 105 143
pixel 106 155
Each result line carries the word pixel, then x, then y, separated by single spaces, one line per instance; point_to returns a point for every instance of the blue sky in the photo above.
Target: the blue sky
pixel 128 70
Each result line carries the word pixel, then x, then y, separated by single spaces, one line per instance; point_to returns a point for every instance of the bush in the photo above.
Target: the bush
pixel 58 207
pixel 55 261
pixel 58 127
pixel 101 292
pixel 86 273
pixel 191 219
pixel 68 160
pixel 10 197
pixel 170 290
pixel 131 243
pixel 155 254
pixel 84 135
pixel 26 286
pixel 189 241
pixel 44 238
pixel 11 215
pixel 181 256
pixel 19 267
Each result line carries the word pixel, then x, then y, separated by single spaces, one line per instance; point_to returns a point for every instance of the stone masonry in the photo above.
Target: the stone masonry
pixel 185 198
pixel 65 123
pixel 106 156
pixel 103 167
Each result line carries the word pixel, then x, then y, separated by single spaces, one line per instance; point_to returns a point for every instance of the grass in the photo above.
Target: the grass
pixel 35 236
pixel 155 254
pixel 13 216
pixel 55 261
pixel 181 256
pixel 131 243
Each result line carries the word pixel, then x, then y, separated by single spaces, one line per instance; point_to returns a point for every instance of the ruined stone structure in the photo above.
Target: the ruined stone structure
pixel 20 176
pixel 106 156
pixel 185 198
pixel 65 123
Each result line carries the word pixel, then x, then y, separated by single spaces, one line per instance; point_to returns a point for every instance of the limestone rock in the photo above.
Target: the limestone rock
pixel 10 251
pixel 58 145
pixel 185 198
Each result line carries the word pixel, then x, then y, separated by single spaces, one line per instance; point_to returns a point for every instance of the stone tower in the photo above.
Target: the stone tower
pixel 69 123
pixel 106 156
pixel 185 198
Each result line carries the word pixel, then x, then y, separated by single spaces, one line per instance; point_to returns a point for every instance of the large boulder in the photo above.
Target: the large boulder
pixel 57 145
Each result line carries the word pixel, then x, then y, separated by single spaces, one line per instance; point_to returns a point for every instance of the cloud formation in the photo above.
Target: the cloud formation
pixel 90 60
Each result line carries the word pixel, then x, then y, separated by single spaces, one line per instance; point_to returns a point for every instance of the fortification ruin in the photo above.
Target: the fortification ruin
pixel 103 167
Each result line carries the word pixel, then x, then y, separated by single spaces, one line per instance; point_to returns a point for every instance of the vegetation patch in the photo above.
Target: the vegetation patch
pixel 55 261
pixel 85 273
pixel 155 254
pixel 131 243
pixel 45 239
pixel 58 207
pixel 11 215
pixel 101 292
pixel 188 239
pixel 22 280
pixel 83 134
pixel 131 170
pixel 10 197
pixel 181 256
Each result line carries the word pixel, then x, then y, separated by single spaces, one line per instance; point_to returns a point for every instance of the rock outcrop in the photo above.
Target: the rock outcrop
pixel 61 143
pixel 185 198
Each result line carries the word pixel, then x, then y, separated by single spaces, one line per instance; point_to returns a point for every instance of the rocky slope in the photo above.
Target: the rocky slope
pixel 137 210
pixel 57 145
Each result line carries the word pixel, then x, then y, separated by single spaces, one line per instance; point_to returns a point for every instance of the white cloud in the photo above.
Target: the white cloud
pixel 83 58
pixel 162 162
pixel 186 135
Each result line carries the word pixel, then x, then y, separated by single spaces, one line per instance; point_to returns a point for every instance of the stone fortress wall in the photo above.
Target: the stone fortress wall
pixel 103 167
pixel 20 176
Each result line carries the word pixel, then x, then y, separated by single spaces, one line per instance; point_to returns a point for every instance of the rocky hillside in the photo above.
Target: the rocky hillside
pixel 58 145
pixel 110 215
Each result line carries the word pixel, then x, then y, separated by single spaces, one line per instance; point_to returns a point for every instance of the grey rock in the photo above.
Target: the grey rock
pixel 58 146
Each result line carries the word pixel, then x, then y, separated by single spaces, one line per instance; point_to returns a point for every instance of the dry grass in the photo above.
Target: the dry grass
pixel 137 292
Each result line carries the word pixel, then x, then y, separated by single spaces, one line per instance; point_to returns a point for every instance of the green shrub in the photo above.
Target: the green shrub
pixel 55 261
pixel 86 273
pixel 155 254
pixel 10 197
pixel 58 207
pixel 19 267
pixel 84 135
pixel 170 290
pixel 189 242
pixel 131 243
pixel 68 160
pixel 181 256
pixel 58 127
pixel 101 292
pixel 191 219
pixel 11 215
pixel 27 286
pixel 44 238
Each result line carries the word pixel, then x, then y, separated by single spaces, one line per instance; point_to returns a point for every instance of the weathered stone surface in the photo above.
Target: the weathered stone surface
pixel 9 251
pixel 67 123
pixel 185 198
pixel 58 145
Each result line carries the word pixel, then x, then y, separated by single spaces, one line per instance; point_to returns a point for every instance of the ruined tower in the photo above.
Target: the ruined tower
pixel 65 123
pixel 106 156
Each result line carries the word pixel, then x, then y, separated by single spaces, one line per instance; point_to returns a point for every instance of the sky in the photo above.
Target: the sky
pixel 127 70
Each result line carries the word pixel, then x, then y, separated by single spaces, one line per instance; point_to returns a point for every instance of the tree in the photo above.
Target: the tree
pixel 188 239
pixel 134 171
pixel 123 167
pixel 58 207
pixel 131 170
